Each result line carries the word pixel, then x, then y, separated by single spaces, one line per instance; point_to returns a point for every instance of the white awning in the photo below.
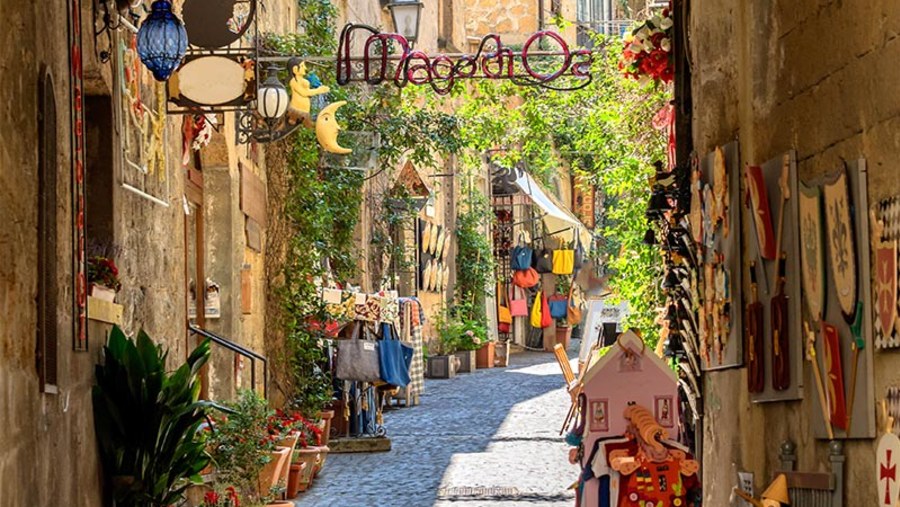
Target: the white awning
pixel 558 219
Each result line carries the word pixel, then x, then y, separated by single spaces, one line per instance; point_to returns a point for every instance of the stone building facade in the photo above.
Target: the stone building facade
pixel 48 451
pixel 817 76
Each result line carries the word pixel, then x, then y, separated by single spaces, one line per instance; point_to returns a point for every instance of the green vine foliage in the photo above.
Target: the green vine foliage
pixel 602 133
pixel 316 209
pixel 474 260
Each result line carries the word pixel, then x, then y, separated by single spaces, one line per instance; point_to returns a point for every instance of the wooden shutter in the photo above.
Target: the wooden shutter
pixel 48 289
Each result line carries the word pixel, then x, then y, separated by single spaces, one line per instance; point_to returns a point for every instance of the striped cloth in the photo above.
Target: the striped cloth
pixel 412 318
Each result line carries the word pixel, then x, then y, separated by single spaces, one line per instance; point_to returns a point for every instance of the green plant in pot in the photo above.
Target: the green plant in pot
pixel 241 445
pixel 147 421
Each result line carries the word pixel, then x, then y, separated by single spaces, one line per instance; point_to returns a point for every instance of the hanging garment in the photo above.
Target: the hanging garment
pixel 412 318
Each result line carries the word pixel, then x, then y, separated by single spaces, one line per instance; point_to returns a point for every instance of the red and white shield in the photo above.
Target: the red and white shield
pixel 886 285
pixel 886 472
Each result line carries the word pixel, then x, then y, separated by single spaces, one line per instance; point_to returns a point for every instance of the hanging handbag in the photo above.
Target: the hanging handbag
pixel 503 314
pixel 537 319
pixel 563 261
pixel 526 278
pixel 518 307
pixel 543 261
pixel 394 357
pixel 546 318
pixel 521 255
pixel 578 258
pixel 559 306
pixel 358 359
pixel 573 309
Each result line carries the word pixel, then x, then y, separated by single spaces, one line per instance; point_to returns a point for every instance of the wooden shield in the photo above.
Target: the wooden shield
pixel 841 245
pixel 812 250
pixel 886 285
pixel 761 212
pixel 834 386
pixel 886 471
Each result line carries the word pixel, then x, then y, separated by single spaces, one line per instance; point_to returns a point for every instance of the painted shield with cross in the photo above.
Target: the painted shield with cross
pixel 886 285
pixel 886 470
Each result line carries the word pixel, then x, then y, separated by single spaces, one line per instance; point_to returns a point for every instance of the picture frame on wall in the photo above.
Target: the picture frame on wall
pixel 663 410
pixel 599 414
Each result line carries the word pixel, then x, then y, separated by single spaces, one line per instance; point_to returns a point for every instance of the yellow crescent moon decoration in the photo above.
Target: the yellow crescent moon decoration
pixel 327 129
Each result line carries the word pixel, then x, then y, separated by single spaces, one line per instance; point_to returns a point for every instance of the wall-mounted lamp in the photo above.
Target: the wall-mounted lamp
pixel 406 15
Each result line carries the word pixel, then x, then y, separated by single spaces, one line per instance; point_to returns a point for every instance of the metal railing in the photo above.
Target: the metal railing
pixel 240 350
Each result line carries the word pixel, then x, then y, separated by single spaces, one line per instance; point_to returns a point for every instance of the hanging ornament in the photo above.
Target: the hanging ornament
pixel 162 40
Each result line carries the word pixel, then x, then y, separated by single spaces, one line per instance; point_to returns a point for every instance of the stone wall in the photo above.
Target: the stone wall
pixel 48 450
pixel 817 76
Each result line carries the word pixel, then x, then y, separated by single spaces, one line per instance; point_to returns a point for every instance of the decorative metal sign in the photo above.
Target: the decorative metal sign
pixel 76 82
pixel 389 57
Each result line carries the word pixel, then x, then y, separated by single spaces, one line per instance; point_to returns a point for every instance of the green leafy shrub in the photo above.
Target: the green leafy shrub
pixel 147 421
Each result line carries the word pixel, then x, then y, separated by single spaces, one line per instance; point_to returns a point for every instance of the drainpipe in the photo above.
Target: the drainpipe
pixel 540 15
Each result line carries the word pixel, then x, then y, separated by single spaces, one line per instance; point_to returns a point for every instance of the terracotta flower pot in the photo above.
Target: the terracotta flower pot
pixel 271 473
pixel 325 425
pixel 320 459
pixel 280 504
pixel 563 336
pixel 290 442
pixel 293 485
pixel 308 457
pixel 485 356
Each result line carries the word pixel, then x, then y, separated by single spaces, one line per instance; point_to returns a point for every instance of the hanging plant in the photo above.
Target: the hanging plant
pixel 647 56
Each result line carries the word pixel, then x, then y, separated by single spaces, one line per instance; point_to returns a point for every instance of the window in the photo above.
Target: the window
pixel 48 290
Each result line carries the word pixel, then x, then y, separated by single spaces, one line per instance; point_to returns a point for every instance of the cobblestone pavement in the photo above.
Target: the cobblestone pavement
pixel 489 438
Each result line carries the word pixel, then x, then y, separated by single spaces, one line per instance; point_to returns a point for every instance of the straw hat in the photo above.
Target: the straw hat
pixel 432 243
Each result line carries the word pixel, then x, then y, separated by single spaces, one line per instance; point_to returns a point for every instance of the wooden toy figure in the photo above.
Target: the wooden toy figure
pixel 776 495
pixel 301 92
pixel 656 474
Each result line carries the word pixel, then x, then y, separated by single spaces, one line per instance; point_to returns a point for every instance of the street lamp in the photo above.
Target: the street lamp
pixel 162 40
pixel 406 15
pixel 272 97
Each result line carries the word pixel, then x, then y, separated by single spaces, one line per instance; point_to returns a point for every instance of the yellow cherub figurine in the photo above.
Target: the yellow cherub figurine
pixel 301 92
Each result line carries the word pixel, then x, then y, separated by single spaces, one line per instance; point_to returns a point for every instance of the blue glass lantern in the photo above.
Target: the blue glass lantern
pixel 162 40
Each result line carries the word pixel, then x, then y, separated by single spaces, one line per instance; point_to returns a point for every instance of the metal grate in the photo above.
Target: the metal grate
pixel 48 293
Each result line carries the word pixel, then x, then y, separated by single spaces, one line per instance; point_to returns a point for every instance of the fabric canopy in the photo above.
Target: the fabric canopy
pixel 556 216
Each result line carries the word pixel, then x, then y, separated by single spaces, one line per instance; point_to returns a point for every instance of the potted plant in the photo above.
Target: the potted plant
pixel 308 454
pixel 148 421
pixel 443 363
pixel 563 333
pixel 103 278
pixel 325 417
pixel 227 497
pixel 245 451
pixel 457 339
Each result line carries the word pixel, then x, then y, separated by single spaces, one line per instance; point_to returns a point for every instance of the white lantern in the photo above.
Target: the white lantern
pixel 272 98
pixel 406 15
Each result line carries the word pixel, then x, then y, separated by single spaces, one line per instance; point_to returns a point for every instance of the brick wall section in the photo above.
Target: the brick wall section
pixel 818 76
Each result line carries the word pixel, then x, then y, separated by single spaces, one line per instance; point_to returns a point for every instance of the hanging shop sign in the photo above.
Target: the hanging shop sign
pixel 390 57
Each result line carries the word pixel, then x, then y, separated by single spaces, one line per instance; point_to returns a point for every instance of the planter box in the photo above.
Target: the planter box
pixel 442 366
pixel 563 336
pixel 103 293
pixel 485 355
pixel 501 354
pixel 467 361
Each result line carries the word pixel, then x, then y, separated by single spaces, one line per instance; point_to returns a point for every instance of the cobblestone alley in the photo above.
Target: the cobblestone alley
pixel 489 438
